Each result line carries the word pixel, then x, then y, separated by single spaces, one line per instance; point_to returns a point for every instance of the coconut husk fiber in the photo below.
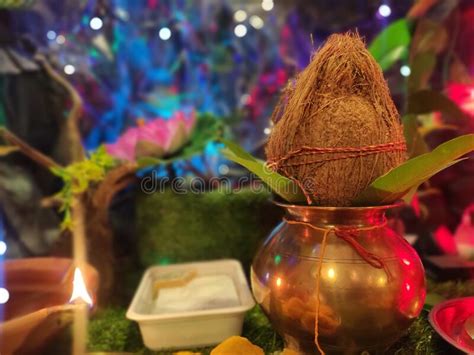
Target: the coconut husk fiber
pixel 341 105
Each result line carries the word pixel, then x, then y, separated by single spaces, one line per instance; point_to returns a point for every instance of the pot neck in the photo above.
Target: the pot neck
pixel 337 216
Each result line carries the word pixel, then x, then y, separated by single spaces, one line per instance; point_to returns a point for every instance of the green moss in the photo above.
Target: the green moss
pixel 259 331
pixel 421 339
pixel 111 331
pixel 452 289
pixel 213 225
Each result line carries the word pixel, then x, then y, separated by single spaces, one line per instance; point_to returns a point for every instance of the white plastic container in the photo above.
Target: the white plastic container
pixel 189 329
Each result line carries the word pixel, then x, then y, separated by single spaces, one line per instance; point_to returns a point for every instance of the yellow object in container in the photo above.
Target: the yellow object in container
pixel 236 345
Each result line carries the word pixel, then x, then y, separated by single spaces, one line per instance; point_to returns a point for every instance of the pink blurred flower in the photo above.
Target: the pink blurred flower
pixel 445 241
pixel 463 95
pixel 124 147
pixel 155 138
pixel 464 235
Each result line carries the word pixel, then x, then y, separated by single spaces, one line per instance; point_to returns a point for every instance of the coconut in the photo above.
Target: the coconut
pixel 336 128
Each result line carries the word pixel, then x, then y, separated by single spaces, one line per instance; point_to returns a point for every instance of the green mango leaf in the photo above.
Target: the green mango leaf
pixel 281 185
pixel 5 150
pixel 410 194
pixel 391 44
pixel 399 181
pixel 426 101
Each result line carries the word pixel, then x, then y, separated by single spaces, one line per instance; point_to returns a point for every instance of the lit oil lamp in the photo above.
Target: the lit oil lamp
pixel 83 302
pixel 80 297
pixel 42 301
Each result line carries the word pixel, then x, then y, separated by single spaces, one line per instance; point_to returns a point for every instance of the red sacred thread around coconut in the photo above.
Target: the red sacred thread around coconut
pixel 283 162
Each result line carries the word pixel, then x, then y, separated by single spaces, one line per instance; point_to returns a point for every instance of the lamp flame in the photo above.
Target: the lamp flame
pixel 79 290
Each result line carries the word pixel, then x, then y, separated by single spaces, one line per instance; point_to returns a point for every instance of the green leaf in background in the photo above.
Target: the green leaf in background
pixel 281 185
pixel 391 44
pixel 78 177
pixel 425 101
pixel 145 162
pixel 431 300
pixel 395 184
pixel 421 66
pixel 416 145
pixel 392 56
pixel 208 129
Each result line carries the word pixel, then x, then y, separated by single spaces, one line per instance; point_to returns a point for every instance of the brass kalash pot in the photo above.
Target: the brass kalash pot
pixel 370 281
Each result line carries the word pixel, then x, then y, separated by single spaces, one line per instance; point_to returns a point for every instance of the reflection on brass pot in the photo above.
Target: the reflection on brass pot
pixel 361 307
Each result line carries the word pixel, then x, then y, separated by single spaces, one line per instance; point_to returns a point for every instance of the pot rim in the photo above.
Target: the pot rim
pixel 287 205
